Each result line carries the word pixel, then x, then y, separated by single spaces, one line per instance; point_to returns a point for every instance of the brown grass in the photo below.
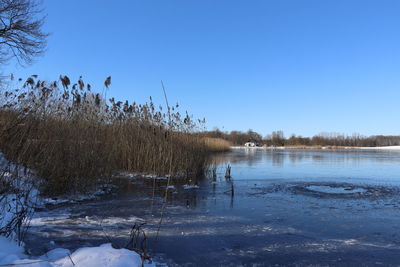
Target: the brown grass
pixel 217 144
pixel 74 138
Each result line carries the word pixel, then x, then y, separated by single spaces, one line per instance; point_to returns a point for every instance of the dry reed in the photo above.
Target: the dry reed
pixel 74 138
pixel 217 144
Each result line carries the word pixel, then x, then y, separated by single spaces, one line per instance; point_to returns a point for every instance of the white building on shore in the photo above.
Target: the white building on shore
pixel 250 144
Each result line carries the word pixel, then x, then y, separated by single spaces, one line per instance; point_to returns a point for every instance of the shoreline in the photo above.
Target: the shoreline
pixel 319 147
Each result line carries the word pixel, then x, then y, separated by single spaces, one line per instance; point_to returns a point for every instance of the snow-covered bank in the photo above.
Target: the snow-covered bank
pixel 12 254
pixel 382 147
pixel 104 255
pixel 18 198
pixel 318 147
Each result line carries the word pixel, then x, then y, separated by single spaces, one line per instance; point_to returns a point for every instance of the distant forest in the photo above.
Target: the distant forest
pixel 277 138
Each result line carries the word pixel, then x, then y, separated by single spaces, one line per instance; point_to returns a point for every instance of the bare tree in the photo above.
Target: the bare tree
pixel 21 35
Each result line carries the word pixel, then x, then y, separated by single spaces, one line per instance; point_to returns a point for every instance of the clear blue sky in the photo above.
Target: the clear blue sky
pixel 303 67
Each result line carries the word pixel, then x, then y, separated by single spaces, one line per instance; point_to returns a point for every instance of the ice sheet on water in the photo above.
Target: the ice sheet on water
pixel 336 190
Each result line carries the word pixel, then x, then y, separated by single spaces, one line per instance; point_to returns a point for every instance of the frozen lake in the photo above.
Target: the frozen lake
pixel 289 207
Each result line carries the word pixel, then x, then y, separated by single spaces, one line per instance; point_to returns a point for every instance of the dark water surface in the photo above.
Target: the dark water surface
pixel 289 207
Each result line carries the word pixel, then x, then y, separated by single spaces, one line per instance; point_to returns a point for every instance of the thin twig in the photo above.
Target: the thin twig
pixel 69 256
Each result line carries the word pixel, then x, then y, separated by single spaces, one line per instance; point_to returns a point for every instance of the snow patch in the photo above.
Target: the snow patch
pixel 382 147
pixel 102 190
pixel 336 189
pixel 104 255
pixel 188 186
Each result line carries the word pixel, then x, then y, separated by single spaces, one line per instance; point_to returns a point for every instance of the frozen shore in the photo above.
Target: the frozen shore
pixel 318 147
pixel 382 147
pixel 17 206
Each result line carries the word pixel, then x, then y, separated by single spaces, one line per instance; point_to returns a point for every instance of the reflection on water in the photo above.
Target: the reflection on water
pixel 282 156
pixel 298 207
pixel 369 166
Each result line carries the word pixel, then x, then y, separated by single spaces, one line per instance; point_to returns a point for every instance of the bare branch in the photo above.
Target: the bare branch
pixel 21 35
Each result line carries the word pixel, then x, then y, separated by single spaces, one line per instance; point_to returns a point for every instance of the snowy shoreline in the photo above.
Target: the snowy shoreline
pixel 382 147
pixel 104 255
pixel 25 195
pixel 322 147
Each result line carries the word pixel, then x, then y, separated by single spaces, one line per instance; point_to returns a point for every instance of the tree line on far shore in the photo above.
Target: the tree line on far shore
pixel 277 138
